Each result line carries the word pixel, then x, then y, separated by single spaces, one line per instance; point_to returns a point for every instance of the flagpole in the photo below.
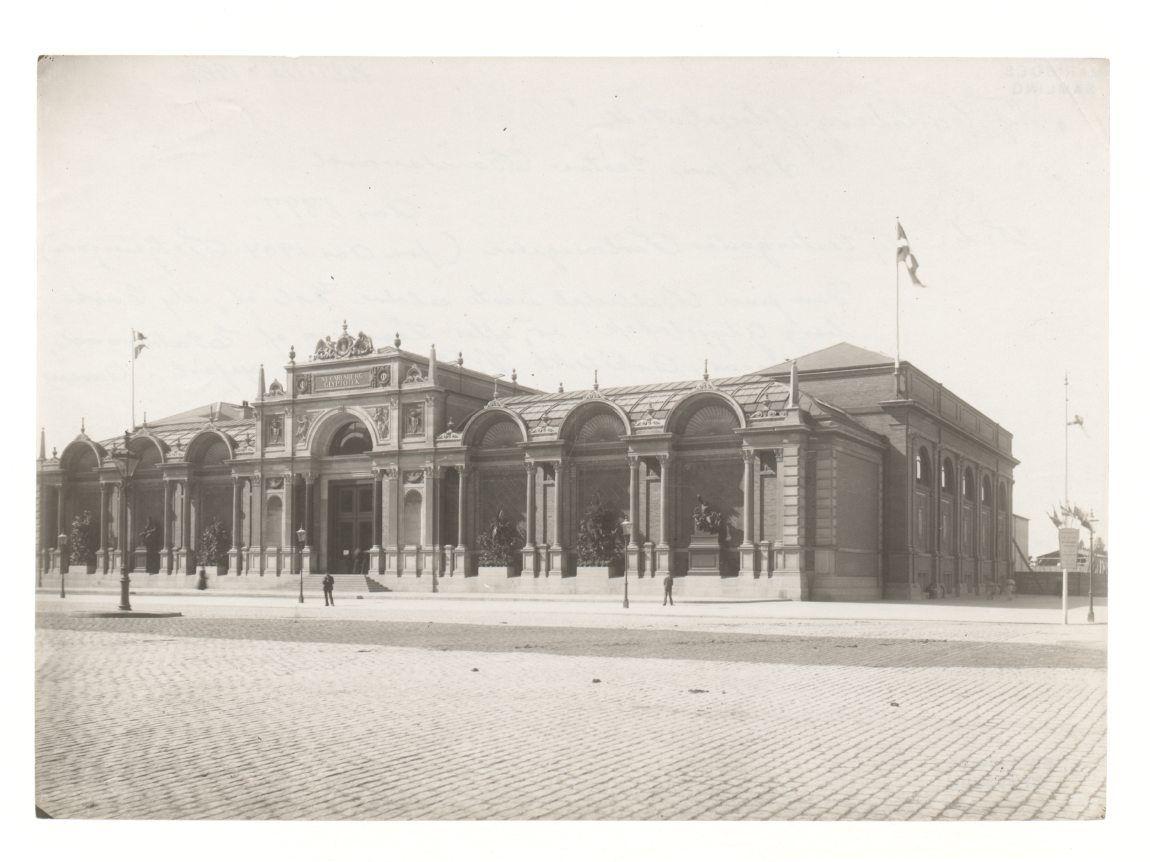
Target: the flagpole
pixel 1066 430
pixel 897 312
pixel 133 360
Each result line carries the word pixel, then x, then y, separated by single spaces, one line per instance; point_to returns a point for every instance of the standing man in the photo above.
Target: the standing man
pixel 668 584
pixel 328 586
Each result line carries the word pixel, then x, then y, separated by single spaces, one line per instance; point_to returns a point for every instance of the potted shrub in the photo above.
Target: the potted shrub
pixel 498 548
pixel 82 545
pixel 601 541
pixel 212 554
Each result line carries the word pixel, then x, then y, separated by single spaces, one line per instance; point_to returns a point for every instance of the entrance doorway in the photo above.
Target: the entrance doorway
pixel 350 534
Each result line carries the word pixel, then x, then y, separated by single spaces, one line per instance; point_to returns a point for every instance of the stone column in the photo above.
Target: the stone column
pixel 632 553
pixel 256 551
pixel 430 543
pixel 185 565
pixel 307 563
pixel 375 565
pixel 60 560
pixel 558 561
pixel 390 532
pixel 166 530
pixel 102 561
pixel 663 549
pixel 747 560
pixel 530 557
pixel 288 548
pixel 461 565
pixel 235 566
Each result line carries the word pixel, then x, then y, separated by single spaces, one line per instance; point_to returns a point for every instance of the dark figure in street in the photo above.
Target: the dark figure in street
pixel 328 586
pixel 668 585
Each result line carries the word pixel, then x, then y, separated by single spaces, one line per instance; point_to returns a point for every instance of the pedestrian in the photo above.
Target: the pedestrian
pixel 668 584
pixel 328 587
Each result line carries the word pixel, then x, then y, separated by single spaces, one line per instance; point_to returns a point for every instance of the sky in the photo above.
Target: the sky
pixel 562 216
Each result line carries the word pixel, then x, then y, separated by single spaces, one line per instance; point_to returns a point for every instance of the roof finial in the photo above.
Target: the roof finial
pixel 41 443
pixel 793 395
pixel 84 430
pixel 262 387
pixel 459 359
pixel 431 363
pixel 291 355
pixel 345 326
pixel 397 341
pixel 560 387
pixel 596 384
pixel 514 376
pixel 53 453
pixel 706 370
pixel 145 418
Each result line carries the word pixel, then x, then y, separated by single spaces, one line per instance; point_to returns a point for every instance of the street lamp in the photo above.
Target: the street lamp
pixel 301 536
pixel 625 525
pixel 1090 567
pixel 126 463
pixel 61 542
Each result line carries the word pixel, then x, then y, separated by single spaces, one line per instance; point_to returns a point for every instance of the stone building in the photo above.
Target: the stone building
pixel 835 476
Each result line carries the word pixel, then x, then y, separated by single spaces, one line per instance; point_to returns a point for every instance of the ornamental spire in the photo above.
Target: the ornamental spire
pixel 41 443
pixel 706 370
pixel 262 387
pixel 431 366
pixel 793 396
pixel 595 386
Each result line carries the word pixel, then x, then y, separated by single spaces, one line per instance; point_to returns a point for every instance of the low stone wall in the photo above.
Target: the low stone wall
pixel 1050 583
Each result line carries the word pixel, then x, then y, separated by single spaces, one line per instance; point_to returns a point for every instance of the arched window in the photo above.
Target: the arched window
pixel 922 467
pixel 351 439
pixel 986 491
pixel 968 484
pixel 946 478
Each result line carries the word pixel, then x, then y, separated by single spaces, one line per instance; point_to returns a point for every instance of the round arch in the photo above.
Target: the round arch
pixel 151 450
pixel 583 411
pixel 81 455
pixel 328 424
pixel 472 433
pixel 686 405
pixel 199 450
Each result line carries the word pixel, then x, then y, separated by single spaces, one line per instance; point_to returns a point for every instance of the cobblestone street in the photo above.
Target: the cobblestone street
pixel 461 710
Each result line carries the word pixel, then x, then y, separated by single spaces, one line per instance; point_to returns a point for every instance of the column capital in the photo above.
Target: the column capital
pixel 633 459
pixel 529 465
pixel 665 458
pixel 749 456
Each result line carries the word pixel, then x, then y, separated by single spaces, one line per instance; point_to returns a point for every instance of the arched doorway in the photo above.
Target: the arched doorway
pixel 711 474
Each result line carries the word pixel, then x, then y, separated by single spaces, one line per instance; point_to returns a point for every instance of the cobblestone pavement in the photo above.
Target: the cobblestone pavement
pixel 215 716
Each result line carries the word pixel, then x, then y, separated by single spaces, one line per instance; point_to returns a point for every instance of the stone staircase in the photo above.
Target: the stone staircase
pixel 344 585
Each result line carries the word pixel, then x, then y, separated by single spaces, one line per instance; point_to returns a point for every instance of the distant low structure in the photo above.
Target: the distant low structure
pixel 841 475
pixel 1021 543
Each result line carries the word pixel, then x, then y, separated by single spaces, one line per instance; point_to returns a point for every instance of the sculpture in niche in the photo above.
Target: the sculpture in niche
pixel 413 426
pixel 343 347
pixel 275 430
pixel 382 417
pixel 302 423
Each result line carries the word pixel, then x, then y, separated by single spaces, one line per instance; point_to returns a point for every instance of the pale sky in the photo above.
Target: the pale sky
pixel 561 216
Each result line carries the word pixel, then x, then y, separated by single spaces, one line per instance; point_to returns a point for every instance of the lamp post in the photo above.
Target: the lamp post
pixel 61 542
pixel 1090 567
pixel 301 536
pixel 625 525
pixel 126 463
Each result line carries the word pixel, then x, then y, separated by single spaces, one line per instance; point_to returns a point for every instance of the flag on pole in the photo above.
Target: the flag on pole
pixel 905 256
pixel 138 339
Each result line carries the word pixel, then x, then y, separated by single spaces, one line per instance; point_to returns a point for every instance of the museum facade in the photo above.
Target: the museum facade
pixel 841 475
